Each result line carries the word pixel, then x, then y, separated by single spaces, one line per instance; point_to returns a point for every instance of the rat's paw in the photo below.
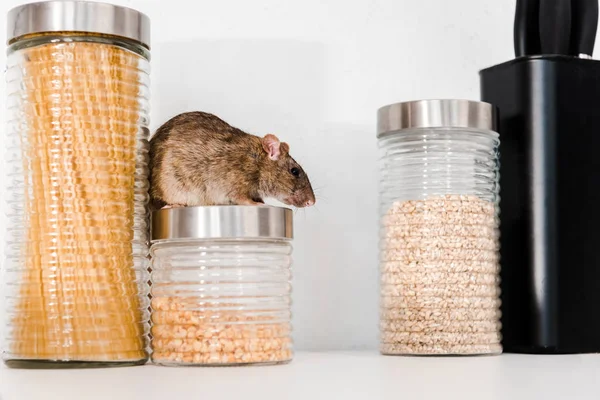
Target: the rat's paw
pixel 172 206
pixel 249 202
pixel 245 200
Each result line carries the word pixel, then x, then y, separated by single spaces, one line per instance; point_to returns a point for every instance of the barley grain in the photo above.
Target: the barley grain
pixel 399 348
pixel 435 315
pixel 439 277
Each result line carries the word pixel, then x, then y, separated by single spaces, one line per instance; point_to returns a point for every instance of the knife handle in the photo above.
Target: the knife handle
pixel 584 26
pixel 555 26
pixel 526 28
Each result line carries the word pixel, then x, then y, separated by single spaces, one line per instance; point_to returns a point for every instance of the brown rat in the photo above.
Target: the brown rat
pixel 198 159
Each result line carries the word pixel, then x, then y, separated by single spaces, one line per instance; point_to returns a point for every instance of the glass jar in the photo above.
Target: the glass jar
pixel 75 276
pixel 221 285
pixel 439 260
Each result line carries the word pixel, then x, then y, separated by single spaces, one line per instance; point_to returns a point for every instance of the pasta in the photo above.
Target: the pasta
pixel 79 276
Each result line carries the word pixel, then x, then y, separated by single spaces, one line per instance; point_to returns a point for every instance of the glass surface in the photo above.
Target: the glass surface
pixel 221 302
pixel 75 279
pixel 439 260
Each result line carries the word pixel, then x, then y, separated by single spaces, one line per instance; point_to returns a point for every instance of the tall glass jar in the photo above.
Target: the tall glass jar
pixel 221 292
pixel 78 99
pixel 439 260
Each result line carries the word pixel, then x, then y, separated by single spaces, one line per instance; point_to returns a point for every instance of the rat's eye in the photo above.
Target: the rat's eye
pixel 295 171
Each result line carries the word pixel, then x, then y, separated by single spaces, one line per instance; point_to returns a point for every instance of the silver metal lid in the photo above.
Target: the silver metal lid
pixel 222 222
pixel 78 16
pixel 436 114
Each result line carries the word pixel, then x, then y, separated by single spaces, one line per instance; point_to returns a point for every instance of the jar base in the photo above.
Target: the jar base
pixel 449 355
pixel 55 364
pixel 216 365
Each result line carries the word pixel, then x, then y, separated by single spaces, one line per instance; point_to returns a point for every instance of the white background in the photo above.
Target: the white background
pixel 314 73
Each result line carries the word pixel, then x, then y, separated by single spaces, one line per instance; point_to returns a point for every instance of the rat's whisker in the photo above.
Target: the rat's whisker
pixel 320 197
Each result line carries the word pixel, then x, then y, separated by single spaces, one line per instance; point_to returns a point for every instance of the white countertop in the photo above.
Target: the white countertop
pixel 329 375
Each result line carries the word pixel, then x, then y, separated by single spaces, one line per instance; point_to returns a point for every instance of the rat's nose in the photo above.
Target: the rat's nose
pixel 309 203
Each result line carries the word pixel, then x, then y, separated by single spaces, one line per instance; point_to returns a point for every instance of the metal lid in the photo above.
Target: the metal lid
pixel 222 222
pixel 436 114
pixel 78 16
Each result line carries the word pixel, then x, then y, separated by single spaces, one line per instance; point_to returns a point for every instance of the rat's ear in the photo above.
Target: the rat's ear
pixel 272 146
pixel 285 148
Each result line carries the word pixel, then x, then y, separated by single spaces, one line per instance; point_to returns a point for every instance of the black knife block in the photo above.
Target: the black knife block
pixel 549 124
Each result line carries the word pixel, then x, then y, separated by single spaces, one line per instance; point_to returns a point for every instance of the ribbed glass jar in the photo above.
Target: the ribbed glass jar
pixel 75 274
pixel 221 291
pixel 439 260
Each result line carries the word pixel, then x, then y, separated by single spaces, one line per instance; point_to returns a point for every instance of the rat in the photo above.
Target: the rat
pixel 197 159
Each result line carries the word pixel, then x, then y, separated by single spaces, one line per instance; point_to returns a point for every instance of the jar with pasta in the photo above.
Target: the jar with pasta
pixel 439 260
pixel 75 278
pixel 221 286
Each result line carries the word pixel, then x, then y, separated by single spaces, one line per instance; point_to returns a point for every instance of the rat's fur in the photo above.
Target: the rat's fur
pixel 198 159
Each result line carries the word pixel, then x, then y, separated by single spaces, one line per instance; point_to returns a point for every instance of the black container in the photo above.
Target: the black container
pixel 549 128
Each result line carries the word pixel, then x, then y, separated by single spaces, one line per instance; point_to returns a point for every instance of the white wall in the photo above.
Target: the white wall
pixel 314 73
